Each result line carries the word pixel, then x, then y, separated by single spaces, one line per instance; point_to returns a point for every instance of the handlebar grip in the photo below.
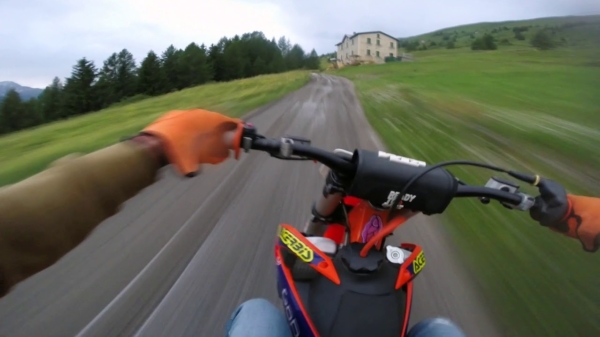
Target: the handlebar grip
pixel 552 205
pixel 231 141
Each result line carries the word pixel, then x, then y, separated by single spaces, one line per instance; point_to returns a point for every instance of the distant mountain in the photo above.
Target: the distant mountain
pixel 25 92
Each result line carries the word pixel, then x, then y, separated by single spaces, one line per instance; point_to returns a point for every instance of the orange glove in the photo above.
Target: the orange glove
pixel 194 137
pixel 583 221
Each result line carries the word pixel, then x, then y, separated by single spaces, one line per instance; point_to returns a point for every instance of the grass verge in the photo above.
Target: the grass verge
pixel 518 108
pixel 25 153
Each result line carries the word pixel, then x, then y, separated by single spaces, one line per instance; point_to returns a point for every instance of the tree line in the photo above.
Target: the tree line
pixel 120 79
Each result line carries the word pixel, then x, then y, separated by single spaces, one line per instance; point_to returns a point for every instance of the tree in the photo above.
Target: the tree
pixel 260 66
pixel 151 79
pixel 519 36
pixel 108 78
pixel 450 45
pixel 170 59
pixel 31 113
pixel 520 29
pixel 216 60
pixel 234 60
pixel 79 96
pixel 486 42
pixel 11 112
pixel 542 40
pixel 411 45
pixel 126 75
pixel 284 45
pixel 313 61
pixel 88 89
pixel 194 68
pixel 295 58
pixel 276 63
pixel 49 102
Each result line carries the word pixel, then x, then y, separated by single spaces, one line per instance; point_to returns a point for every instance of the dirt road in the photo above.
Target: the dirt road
pixel 184 253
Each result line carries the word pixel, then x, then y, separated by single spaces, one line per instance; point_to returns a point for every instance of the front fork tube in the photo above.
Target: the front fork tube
pixel 323 208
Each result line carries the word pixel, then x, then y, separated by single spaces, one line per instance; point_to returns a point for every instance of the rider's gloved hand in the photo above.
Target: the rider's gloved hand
pixel 194 137
pixel 574 216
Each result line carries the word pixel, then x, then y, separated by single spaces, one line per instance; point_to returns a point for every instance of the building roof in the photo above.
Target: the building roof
pixel 356 34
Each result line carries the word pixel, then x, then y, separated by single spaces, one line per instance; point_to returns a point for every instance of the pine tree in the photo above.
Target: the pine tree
pixel 312 61
pixel 87 90
pixel 170 59
pixel 31 113
pixel 295 58
pixel 106 88
pixel 126 75
pixel 11 112
pixel 216 61
pixel 234 61
pixel 194 66
pixel 151 76
pixel 276 63
pixel 79 95
pixel 284 45
pixel 260 66
pixel 50 101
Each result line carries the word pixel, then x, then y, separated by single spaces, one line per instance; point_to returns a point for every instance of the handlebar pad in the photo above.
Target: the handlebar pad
pixel 380 180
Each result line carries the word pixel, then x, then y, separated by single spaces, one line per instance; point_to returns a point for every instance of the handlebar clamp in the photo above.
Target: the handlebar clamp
pixel 527 202
pixel 508 186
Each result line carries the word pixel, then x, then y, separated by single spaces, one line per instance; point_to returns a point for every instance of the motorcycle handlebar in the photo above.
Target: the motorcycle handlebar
pixel 336 163
pixel 485 192
pixel 344 166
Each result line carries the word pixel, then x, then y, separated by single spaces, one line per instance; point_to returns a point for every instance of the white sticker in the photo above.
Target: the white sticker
pixel 402 160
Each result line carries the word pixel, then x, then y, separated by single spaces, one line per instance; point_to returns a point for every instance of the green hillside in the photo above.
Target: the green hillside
pixel 27 152
pixel 517 107
pixel 570 31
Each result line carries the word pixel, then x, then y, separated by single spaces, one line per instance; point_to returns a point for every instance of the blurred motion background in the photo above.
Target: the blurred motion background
pixel 523 95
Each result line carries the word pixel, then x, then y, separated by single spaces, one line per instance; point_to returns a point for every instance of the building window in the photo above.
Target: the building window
pixel 391 54
pixel 377 53
pixel 346 55
pixel 377 35
pixel 368 40
pixel 346 44
pixel 353 42
pixel 391 44
pixel 352 52
pixel 378 43
pixel 368 51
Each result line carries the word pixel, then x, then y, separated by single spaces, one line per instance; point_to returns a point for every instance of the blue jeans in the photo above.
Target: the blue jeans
pixel 260 318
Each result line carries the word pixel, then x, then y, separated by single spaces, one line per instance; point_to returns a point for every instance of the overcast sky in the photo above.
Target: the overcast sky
pixel 40 39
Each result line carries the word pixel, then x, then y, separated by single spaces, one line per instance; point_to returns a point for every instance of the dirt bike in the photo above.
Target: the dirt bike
pixel 338 277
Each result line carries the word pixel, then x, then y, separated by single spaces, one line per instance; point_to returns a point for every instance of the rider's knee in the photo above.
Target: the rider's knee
pixel 439 326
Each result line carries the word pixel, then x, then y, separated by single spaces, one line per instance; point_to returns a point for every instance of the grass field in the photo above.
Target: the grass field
pixel 28 152
pixel 518 108
pixel 573 32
